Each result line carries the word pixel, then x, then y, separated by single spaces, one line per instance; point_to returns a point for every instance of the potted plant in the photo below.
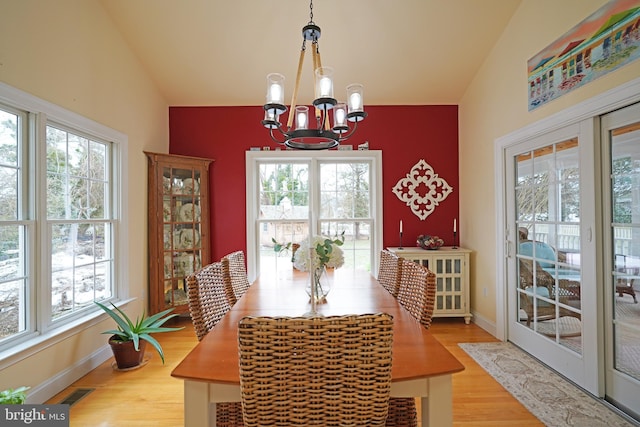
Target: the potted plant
pixel 128 342
pixel 14 397
pixel 282 248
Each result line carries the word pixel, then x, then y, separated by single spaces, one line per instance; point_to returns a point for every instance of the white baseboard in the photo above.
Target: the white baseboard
pixel 484 323
pixel 54 385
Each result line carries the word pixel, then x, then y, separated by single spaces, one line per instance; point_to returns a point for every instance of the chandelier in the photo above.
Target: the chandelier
pixel 304 135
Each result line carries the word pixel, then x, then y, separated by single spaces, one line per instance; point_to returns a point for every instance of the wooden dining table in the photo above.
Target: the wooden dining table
pixel 422 366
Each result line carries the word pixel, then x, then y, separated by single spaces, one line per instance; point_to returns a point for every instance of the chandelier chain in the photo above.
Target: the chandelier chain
pixel 311 12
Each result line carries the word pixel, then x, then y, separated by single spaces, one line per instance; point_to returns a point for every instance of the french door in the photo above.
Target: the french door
pixel 621 228
pixel 551 270
pixel 570 184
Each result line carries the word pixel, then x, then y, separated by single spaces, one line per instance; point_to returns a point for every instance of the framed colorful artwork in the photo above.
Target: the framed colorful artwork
pixel 608 39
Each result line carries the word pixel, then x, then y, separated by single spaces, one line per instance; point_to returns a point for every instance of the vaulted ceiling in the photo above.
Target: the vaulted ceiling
pixel 405 52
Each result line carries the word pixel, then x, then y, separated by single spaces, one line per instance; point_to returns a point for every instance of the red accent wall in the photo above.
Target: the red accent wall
pixel 405 134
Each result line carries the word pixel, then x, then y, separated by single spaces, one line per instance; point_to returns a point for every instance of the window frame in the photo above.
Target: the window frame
pixel 41 331
pixel 315 158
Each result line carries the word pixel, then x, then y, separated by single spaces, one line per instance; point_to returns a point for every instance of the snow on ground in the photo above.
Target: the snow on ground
pixel 89 283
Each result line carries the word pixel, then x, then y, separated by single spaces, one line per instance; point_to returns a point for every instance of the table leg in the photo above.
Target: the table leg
pixel 437 407
pixel 197 411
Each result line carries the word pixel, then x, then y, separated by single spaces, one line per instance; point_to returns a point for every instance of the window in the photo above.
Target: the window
pixel 329 192
pixel 79 220
pixel 59 198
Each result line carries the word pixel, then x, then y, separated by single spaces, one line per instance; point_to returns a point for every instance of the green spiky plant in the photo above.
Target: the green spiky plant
pixel 14 397
pixel 142 328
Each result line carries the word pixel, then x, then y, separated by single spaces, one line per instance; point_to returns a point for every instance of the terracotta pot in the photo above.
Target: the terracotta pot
pixel 125 353
pixel 294 248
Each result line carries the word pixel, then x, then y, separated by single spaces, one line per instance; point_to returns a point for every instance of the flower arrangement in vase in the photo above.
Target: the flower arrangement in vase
pixel 325 253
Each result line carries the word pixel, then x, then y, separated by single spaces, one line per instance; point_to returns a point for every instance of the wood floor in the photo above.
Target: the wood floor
pixel 151 397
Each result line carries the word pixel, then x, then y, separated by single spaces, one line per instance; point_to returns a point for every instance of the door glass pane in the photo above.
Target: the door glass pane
pixel 284 191
pixel 278 242
pixel 625 230
pixel 284 213
pixel 345 207
pixel 344 190
pixel 357 246
pixel 548 220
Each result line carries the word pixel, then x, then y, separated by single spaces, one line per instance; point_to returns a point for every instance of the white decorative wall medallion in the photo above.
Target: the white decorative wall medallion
pixel 422 189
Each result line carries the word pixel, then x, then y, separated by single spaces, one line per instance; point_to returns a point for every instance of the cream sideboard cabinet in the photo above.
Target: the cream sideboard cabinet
pixel 451 267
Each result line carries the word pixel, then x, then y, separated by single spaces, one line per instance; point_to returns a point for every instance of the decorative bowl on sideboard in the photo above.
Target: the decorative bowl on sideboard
pixel 429 242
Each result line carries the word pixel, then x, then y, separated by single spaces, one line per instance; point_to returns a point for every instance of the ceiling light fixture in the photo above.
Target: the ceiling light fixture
pixel 304 136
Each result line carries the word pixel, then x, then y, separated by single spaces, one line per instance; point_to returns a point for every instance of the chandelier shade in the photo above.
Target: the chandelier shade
pixel 312 128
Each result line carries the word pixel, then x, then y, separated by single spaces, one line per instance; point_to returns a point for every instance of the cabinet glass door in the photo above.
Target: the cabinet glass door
pixel 182 231
pixel 448 284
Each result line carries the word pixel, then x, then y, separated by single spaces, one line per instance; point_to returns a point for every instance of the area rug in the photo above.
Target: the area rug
pixel 552 399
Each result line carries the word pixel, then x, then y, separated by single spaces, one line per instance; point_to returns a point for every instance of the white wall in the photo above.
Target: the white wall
pixel 68 52
pixel 494 105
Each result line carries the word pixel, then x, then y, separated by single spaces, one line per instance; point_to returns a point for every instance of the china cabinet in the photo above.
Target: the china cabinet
pixel 178 227
pixel 451 267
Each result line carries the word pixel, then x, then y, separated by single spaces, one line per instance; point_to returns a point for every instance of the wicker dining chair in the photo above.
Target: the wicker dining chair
pixel 325 371
pixel 235 273
pixel 208 298
pixel 417 291
pixel 208 303
pixel 417 294
pixel 389 271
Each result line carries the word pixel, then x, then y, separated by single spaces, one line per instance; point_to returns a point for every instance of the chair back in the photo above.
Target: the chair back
pixel 536 281
pixel 235 272
pixel 541 250
pixel 389 271
pixel 530 271
pixel 417 291
pixel 208 298
pixel 324 371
